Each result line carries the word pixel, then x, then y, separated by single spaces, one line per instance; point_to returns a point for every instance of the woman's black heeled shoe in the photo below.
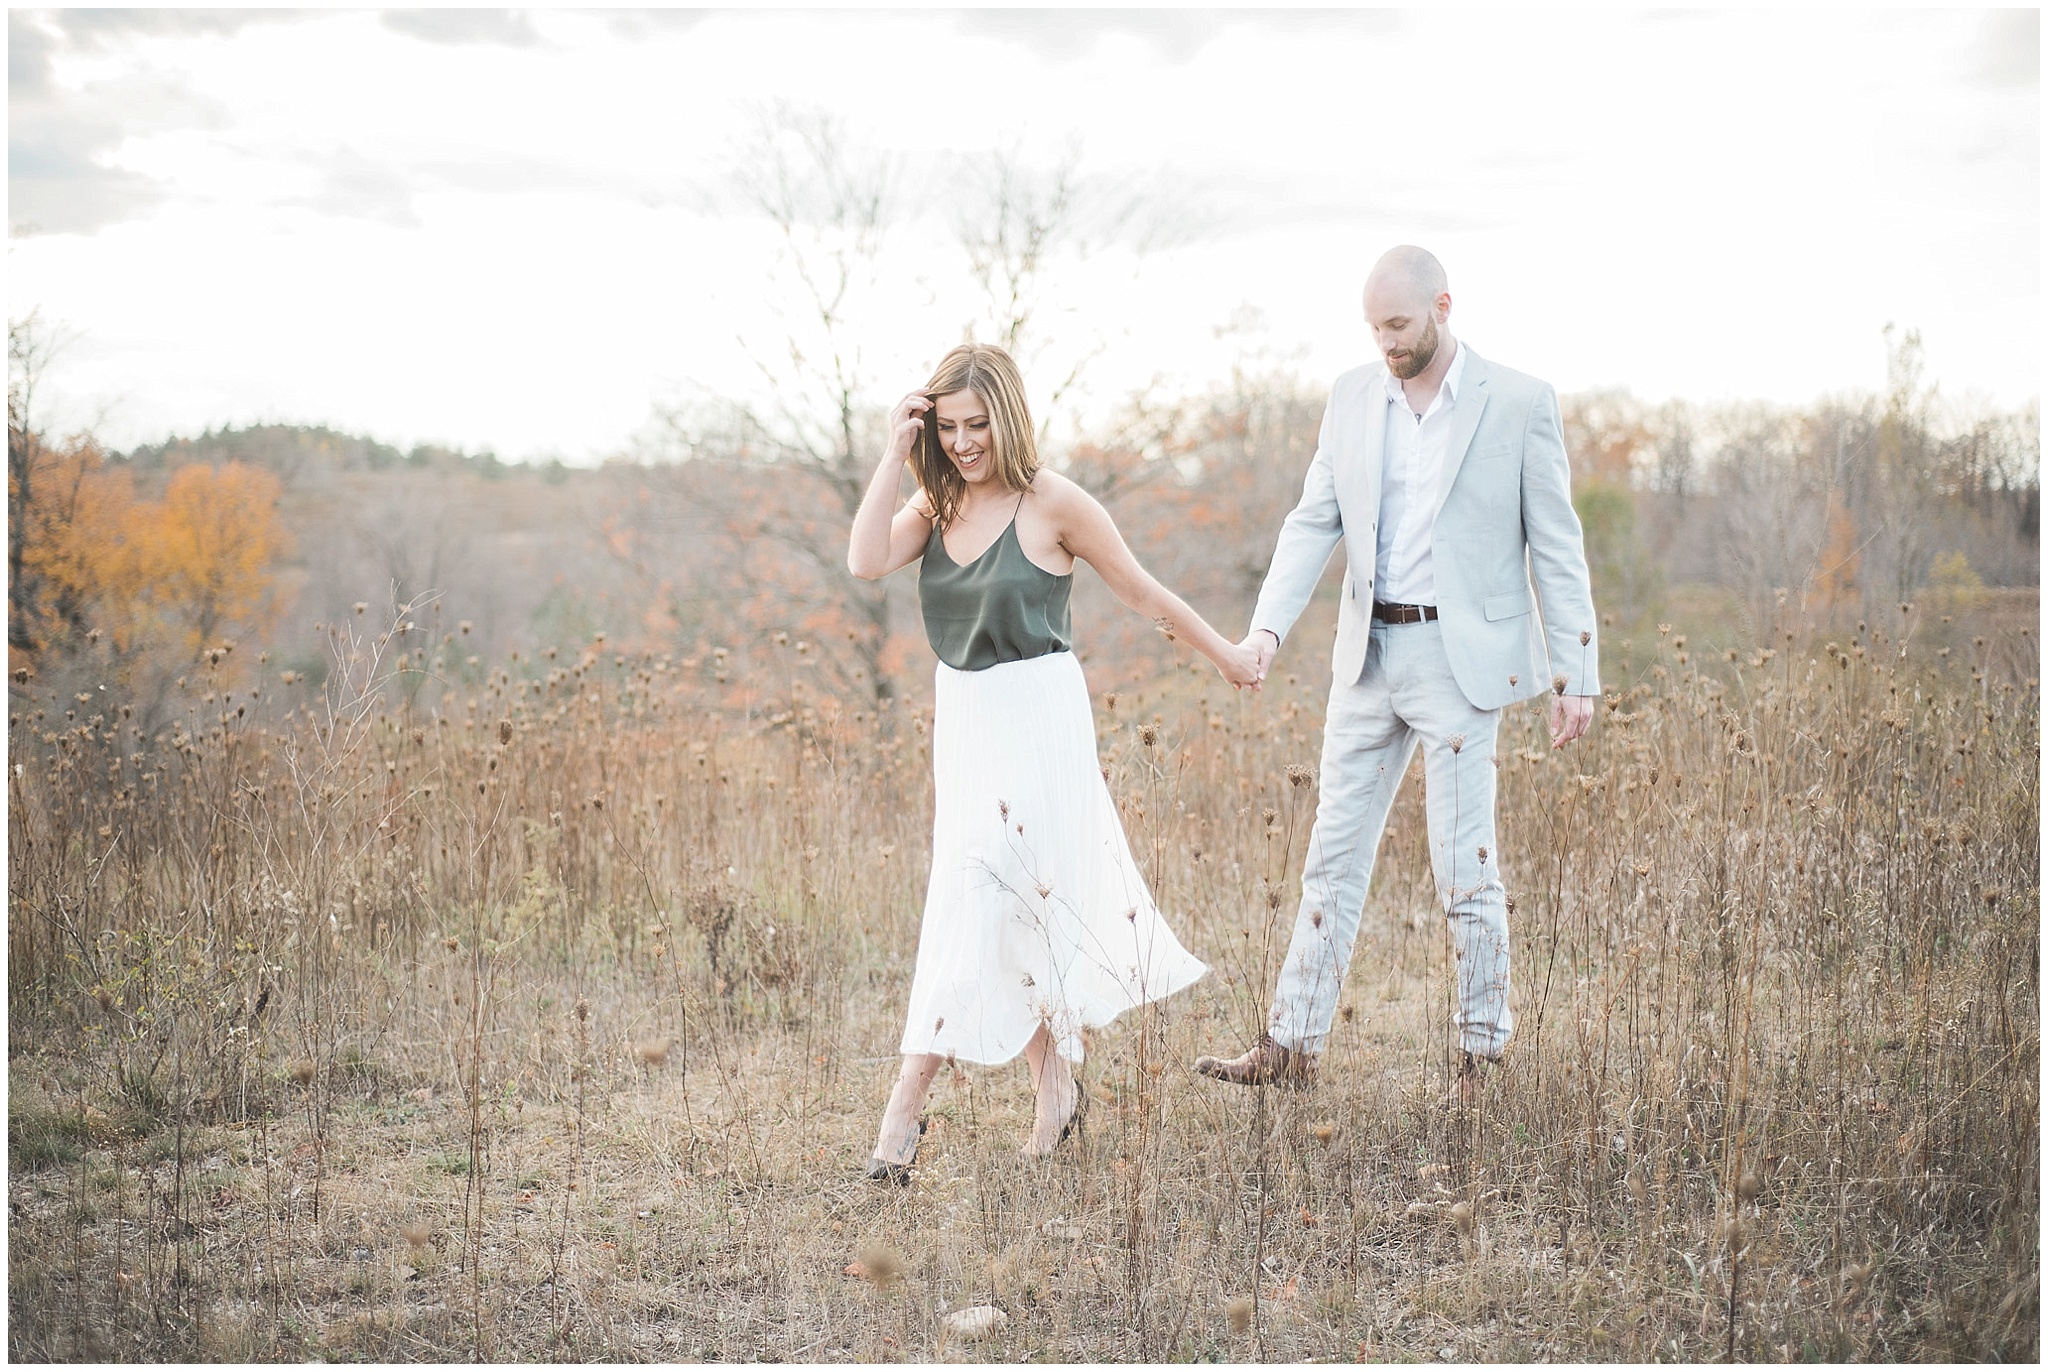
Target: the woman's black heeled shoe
pixel 1077 1122
pixel 896 1173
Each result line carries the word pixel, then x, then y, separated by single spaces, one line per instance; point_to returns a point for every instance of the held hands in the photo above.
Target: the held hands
pixel 1239 665
pixel 1245 664
pixel 1570 716
pixel 906 421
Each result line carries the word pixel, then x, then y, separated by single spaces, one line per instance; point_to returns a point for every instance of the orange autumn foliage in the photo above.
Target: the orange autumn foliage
pixel 215 541
pixel 1836 580
pixel 71 532
pixel 164 575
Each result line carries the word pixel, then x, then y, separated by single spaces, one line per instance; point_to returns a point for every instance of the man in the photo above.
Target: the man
pixel 1445 476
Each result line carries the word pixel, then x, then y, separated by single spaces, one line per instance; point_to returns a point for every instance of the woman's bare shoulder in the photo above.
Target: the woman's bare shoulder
pixel 1058 492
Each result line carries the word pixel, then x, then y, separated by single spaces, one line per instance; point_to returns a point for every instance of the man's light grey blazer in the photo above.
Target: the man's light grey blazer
pixel 1505 538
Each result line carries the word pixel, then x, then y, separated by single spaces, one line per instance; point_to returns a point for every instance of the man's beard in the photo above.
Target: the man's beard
pixel 1419 357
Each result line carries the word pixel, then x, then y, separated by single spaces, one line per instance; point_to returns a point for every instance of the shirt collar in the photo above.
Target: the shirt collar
pixel 1452 379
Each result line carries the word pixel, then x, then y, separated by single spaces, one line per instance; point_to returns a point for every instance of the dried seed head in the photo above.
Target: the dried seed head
pixel 582 1009
pixel 1460 1216
pixel 1747 1185
pixel 1482 854
pixel 654 1052
pixel 1298 775
pixel 879 1265
pixel 1585 637
pixel 1557 685
pixel 1457 741
pixel 1148 734
pixel 303 1070
pixel 504 731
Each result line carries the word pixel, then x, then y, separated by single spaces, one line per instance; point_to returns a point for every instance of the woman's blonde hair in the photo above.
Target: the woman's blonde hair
pixel 990 374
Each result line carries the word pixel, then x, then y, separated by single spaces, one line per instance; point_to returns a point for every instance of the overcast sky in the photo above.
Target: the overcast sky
pixel 507 229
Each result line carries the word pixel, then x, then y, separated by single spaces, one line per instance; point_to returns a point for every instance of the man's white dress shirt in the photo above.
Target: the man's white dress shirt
pixel 1410 474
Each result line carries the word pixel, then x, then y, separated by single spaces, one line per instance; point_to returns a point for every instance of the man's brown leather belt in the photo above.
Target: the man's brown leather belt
pixel 1402 614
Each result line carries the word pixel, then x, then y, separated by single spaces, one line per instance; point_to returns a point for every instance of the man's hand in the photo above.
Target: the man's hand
pixel 1570 716
pixel 1263 645
pixel 1239 665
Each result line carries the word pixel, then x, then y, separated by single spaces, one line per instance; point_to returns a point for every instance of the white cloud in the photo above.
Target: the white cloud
pixel 494 228
pixel 509 27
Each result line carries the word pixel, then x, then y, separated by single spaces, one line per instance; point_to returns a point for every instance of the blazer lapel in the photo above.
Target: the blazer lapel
pixel 1464 423
pixel 1372 443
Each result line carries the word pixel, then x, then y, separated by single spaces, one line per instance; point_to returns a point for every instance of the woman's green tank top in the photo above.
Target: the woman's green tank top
pixel 1001 607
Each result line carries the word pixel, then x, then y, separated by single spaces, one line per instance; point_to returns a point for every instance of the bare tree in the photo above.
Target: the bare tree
pixel 1025 221
pixel 1903 477
pixel 31 343
pixel 833 207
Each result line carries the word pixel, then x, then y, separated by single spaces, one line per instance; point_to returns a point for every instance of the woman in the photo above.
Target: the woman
pixel 1037 923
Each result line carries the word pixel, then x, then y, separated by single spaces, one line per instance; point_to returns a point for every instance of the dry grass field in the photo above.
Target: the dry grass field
pixel 554 1021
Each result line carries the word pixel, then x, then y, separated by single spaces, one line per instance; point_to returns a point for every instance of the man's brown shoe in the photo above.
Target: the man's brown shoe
pixel 1265 1062
pixel 1472 1074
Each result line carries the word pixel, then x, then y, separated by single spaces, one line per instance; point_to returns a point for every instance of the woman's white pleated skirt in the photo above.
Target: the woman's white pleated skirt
pixel 1037 913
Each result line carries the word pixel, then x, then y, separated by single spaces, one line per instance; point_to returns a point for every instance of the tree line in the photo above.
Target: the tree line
pixel 724 527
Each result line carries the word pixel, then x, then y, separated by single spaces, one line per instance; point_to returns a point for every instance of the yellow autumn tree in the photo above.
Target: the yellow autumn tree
pixel 73 536
pixel 204 554
pixel 151 579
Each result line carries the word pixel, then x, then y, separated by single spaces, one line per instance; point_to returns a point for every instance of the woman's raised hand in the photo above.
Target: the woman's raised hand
pixel 905 422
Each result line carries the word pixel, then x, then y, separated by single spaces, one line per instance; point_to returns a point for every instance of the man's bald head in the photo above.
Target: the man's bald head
pixel 1407 304
pixel 1409 276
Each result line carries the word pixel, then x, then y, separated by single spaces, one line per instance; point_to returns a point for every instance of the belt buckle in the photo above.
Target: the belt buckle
pixel 1388 613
